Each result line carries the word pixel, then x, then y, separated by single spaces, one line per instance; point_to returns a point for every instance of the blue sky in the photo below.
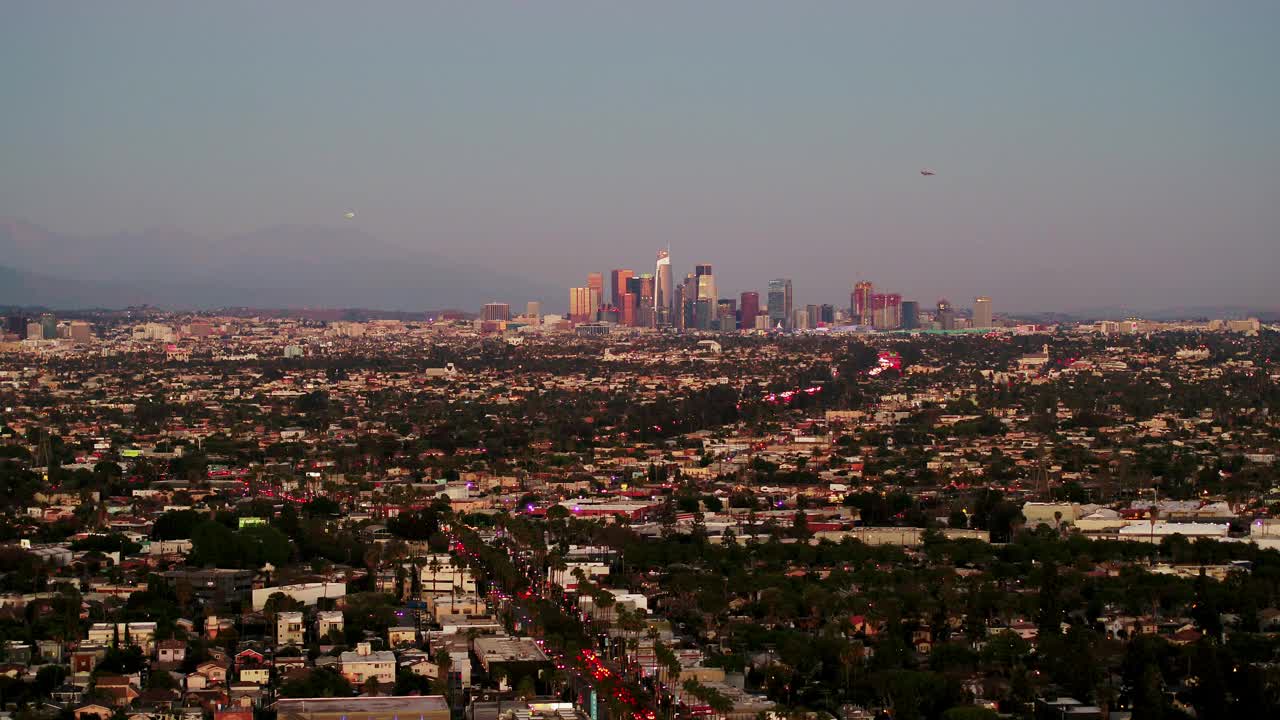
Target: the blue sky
pixel 1087 152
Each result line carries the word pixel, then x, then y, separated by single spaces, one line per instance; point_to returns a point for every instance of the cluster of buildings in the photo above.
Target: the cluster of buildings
pixel 694 303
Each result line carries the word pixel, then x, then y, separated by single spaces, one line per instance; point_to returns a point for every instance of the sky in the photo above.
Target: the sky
pixel 1087 153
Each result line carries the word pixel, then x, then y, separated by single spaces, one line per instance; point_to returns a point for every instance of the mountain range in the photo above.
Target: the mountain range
pixel 283 266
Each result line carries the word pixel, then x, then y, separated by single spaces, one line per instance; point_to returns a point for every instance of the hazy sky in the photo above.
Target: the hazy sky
pixel 1117 151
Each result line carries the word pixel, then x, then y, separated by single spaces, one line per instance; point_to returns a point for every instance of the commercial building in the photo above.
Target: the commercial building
pixel 749 308
pixel 945 316
pixel 910 315
pixel 663 297
pixel 306 593
pixel 495 312
pixel 780 302
pixel 860 307
pixel 618 285
pixel 982 312
pixel 519 656
pixel 595 285
pixel 213 584
pixel 407 707
pixel 580 310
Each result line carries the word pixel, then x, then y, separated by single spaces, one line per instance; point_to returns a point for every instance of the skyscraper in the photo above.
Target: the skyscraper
pixel 828 314
pixel 727 314
pixel 946 317
pixel 780 303
pixel 627 310
pixel 595 283
pixel 705 282
pixel 703 313
pixel 619 278
pixel 663 298
pixel 496 311
pixel 749 306
pixel 860 308
pixel 644 300
pixel 910 315
pixel 533 309
pixel 80 331
pixel 580 304
pixel 982 312
pixel 886 310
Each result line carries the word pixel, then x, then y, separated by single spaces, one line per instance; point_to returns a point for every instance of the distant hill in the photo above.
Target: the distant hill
pixel 22 288
pixel 283 267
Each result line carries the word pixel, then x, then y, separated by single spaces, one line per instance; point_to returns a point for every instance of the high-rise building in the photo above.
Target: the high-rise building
pixel 627 311
pixel 982 312
pixel 800 319
pixel 703 313
pixel 827 315
pixel 618 280
pixel 706 282
pixel 80 331
pixel 945 316
pixel 35 331
pixel 595 283
pixel 663 294
pixel 533 309
pixel 496 311
pixel 580 305
pixel 645 316
pixel 749 307
pixel 688 296
pixel 812 313
pixel 910 315
pixel 780 303
pixel 860 308
pixel 727 314
pixel 49 326
pixel 16 325
pixel 886 310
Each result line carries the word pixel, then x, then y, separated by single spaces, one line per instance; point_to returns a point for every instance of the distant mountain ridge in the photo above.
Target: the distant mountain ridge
pixel 283 266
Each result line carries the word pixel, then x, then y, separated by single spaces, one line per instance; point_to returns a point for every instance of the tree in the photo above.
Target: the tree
pixel 320 682
pixel 176 525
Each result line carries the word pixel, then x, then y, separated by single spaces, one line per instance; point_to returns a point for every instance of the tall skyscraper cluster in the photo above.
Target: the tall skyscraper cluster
pixel 693 302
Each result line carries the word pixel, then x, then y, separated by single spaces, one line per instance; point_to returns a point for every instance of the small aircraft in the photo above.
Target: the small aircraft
pixel 350 214
pixel 927 172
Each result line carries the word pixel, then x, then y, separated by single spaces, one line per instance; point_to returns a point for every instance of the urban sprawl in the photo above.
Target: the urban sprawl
pixel 660 505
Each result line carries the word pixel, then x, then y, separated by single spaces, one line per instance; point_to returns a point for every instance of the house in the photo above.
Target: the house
pixel 216 673
pixel 401 636
pixel 364 664
pixel 171 651
pixel 140 634
pixel 234 713
pixel 286 664
pixel 94 710
pixel 118 689
pixel 329 622
pixel 257 675
pixel 289 629
pixel 67 695
pixel 102 634
pixel 86 658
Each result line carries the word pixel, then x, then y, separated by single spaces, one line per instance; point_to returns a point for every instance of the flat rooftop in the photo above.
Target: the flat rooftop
pixel 405 705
